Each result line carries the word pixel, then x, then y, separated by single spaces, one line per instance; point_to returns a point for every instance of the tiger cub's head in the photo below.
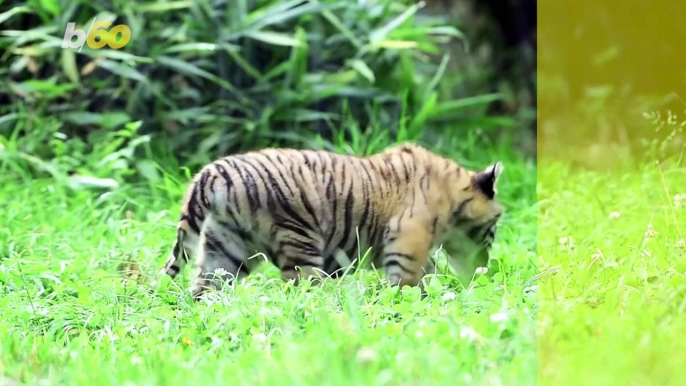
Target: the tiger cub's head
pixel 475 212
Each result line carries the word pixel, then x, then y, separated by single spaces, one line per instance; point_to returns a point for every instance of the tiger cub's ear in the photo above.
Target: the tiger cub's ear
pixel 486 180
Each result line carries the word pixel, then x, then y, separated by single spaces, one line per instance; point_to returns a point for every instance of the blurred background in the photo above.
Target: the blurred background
pixel 611 82
pixel 200 79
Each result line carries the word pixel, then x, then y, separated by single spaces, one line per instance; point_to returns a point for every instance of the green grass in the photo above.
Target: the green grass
pixel 70 315
pixel 614 312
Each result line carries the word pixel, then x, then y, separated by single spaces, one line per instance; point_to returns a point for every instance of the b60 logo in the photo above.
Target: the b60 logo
pixel 97 36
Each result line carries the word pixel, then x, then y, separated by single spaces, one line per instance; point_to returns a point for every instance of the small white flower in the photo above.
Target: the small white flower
pixel 481 270
pixel 448 296
pixel 499 317
pixel 468 333
pixel 615 214
pixel 221 272
pixel 261 338
pixel 366 355
pixel 681 243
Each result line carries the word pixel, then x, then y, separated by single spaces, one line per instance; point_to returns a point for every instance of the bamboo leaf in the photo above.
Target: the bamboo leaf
pixel 274 38
pixel 13 11
pixel 381 33
pixel 396 44
pixel 122 70
pixel 277 17
pixel 51 6
pixel 341 27
pixel 190 69
pixel 439 73
pixel 164 6
pixel 451 107
pixel 363 69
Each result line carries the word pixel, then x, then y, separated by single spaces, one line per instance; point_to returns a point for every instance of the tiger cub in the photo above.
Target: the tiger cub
pixel 303 208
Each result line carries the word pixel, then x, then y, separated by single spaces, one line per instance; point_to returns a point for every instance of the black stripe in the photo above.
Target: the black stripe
pixel 193 208
pixel 177 242
pixel 244 182
pixel 367 204
pixel 229 185
pixel 225 175
pixel 395 263
pixel 214 179
pixel 306 160
pixel 331 197
pixel 252 189
pixel 368 210
pixel 290 262
pixel 389 163
pixel 306 202
pixel 175 250
pixel 284 223
pixel 400 254
pixel 288 209
pixel 204 178
pixel 282 201
pixel 300 246
pixel 271 200
pixel 330 189
pixel 190 220
pixel 235 228
pixel 407 171
pixel 278 169
pixel 348 219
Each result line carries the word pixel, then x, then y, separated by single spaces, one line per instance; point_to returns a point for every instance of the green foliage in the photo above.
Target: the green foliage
pixel 213 77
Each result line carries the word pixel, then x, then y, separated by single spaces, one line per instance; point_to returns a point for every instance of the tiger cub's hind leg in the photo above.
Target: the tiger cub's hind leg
pixel 222 256
pixel 298 256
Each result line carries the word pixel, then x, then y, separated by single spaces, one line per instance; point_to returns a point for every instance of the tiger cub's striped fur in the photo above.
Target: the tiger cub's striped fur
pixel 303 207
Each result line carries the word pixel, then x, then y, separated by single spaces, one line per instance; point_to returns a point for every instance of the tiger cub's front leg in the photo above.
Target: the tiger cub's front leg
pixel 406 246
pixel 222 256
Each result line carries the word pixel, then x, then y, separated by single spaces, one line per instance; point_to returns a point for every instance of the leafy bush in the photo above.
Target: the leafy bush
pixel 213 77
